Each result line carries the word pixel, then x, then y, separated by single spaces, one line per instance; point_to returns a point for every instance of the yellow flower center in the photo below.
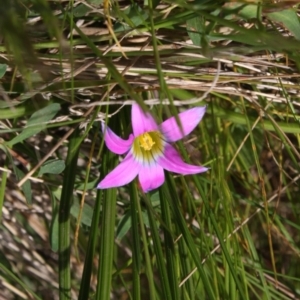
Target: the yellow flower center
pixel 146 141
pixel 148 146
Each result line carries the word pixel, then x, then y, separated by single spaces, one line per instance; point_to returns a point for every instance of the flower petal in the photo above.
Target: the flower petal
pixel 172 162
pixel 125 172
pixel 189 119
pixel 151 177
pixel 114 143
pixel 141 122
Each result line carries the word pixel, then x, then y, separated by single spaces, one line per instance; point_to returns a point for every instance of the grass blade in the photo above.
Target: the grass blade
pixel 64 217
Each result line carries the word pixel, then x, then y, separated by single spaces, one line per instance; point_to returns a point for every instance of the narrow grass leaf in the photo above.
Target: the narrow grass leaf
pixel 147 258
pixel 64 217
pixel 106 247
pixel 238 118
pixel 90 251
pixel 170 247
pixel 136 247
pixel 15 279
pixel 188 287
pixel 161 264
pixel 107 232
pixel 54 227
pixel 180 221
pixel 3 187
pixel 256 263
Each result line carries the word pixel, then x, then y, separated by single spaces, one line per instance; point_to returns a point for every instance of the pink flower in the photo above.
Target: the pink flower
pixel 148 149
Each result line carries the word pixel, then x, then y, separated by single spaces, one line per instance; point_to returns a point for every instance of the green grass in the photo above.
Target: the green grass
pixel 231 233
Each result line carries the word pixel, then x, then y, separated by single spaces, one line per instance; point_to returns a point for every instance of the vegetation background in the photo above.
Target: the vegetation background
pixel 231 233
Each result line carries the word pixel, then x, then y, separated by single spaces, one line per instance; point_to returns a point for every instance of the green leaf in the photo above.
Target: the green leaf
pixel 36 123
pixel 90 185
pixel 53 166
pixel 26 187
pixel 245 11
pixel 81 10
pixel 95 2
pixel 3 68
pixel 10 104
pixel 155 199
pixel 124 225
pixel 194 28
pixel 134 16
pixel 87 212
pixel 22 109
pixel 289 19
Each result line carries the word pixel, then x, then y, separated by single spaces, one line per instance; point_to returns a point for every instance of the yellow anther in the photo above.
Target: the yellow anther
pixel 146 141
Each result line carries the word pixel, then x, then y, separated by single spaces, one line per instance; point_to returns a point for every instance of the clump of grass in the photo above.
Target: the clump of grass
pixel 229 234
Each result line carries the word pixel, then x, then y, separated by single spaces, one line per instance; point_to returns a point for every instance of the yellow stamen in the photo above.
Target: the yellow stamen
pixel 146 141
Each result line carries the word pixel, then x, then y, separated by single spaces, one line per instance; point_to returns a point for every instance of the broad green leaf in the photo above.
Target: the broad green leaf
pixel 26 187
pixel 125 222
pixel 3 68
pixel 155 200
pixel 10 104
pixel 124 225
pixel 90 185
pixel 95 2
pixel 194 28
pixel 21 109
pixel 245 11
pixel 36 123
pixel 134 16
pixel 289 20
pixel 54 166
pixel 87 212
pixel 81 10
